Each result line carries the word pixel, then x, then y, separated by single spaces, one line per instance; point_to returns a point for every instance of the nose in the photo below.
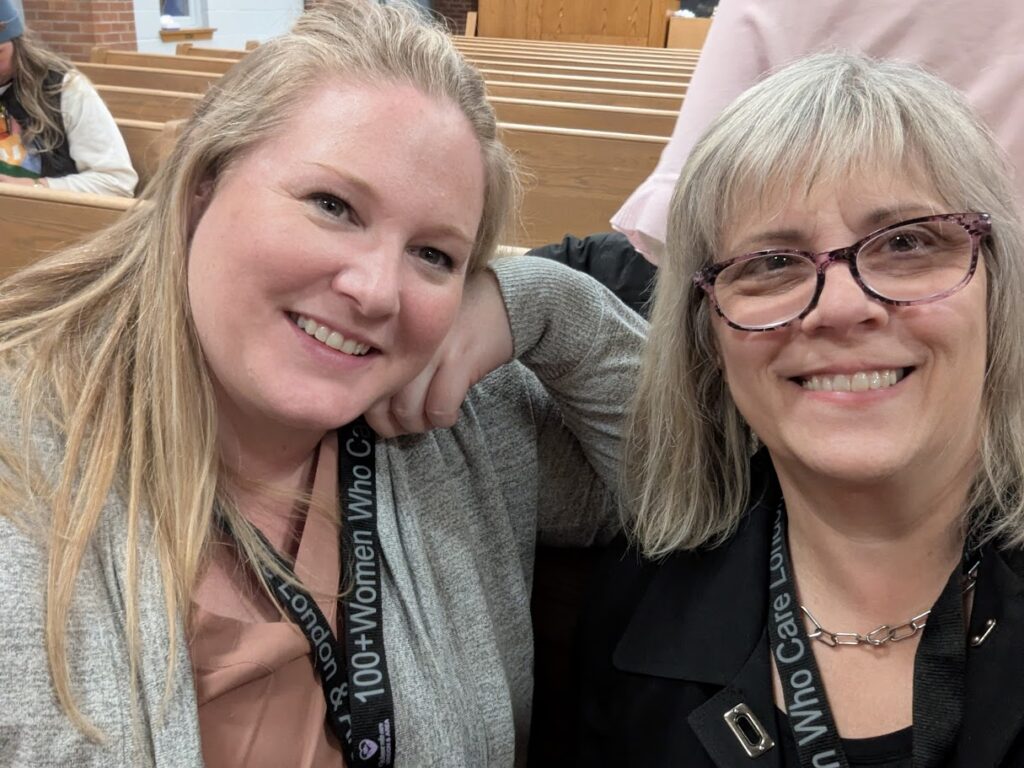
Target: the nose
pixel 371 280
pixel 843 304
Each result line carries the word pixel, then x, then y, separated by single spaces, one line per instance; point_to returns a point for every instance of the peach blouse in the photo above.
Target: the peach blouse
pixel 260 701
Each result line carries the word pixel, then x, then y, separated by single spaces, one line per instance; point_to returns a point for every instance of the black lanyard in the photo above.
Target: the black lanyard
pixel 355 680
pixel 939 669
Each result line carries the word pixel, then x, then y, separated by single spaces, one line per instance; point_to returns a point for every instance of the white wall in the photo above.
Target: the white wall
pixel 236 21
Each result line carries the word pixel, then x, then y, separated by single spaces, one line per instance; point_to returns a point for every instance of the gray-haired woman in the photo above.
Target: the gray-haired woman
pixel 826 450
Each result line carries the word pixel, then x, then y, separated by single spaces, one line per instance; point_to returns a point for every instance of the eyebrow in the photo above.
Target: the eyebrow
pixel 875 219
pixel 366 190
pixel 361 186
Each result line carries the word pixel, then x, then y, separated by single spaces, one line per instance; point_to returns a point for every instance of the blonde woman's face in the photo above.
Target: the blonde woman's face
pixel 329 262
pixel 923 428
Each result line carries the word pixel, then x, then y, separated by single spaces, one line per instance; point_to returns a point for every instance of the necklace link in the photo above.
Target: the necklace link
pixel 883 634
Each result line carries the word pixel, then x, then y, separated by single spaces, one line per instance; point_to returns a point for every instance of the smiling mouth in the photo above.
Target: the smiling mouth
pixel 860 381
pixel 330 337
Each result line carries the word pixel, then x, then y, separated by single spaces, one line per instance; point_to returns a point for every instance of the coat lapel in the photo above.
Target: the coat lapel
pixel 702 620
pixel 995 670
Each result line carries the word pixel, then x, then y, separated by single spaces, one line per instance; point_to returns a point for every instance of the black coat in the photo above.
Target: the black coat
pixel 667 648
pixel 609 258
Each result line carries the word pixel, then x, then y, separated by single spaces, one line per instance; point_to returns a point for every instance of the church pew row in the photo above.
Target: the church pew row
pixel 146 104
pixel 627 52
pixel 575 180
pixel 191 49
pixel 143 77
pixel 103 55
pixel 611 97
pixel 148 144
pixel 647 122
pixel 584 81
pixel 601 52
pixel 582 70
pixel 572 60
pixel 37 221
pixel 199 82
pixel 163 106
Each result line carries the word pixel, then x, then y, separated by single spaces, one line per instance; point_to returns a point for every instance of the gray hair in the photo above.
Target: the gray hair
pixel 816 121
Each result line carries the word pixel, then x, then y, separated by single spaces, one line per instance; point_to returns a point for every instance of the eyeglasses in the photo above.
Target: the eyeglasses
pixel 913 262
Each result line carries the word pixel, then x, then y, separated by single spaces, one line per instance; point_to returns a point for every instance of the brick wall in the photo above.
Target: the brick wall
pixel 73 27
pixel 455 11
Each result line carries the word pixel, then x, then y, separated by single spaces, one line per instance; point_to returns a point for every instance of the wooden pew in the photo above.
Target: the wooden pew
pixel 149 143
pixel 584 81
pixel 648 122
pixel 671 78
pixel 529 59
pixel 36 221
pixel 191 49
pixel 145 104
pixel 605 96
pixel 579 178
pixel 552 47
pixel 102 55
pixel 142 77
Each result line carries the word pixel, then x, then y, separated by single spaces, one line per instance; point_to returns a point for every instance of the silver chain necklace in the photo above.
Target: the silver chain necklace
pixel 885 633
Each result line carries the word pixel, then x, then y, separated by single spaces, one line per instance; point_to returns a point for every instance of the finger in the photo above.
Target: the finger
pixel 443 400
pixel 381 420
pixel 408 404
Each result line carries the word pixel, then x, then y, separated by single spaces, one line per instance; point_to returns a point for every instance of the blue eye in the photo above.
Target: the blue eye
pixel 436 258
pixel 330 204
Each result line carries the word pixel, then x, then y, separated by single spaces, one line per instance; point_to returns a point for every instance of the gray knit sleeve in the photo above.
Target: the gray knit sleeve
pixel 584 346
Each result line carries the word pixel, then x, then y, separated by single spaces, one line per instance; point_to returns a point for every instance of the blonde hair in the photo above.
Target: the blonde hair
pixel 816 121
pixel 32 62
pixel 98 341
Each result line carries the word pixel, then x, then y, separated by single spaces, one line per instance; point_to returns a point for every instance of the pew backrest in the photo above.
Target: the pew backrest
pixel 36 221
pixel 102 55
pixel 576 180
pixel 145 104
pixel 149 143
pixel 586 95
pixel 590 117
pixel 143 77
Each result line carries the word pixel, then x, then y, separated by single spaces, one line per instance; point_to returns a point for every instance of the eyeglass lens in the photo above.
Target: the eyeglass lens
pixel 907 263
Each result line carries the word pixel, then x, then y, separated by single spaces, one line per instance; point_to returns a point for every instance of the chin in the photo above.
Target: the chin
pixel 855 463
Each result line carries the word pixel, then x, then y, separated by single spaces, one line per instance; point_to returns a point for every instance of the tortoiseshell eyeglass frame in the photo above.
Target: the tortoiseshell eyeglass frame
pixel 977 225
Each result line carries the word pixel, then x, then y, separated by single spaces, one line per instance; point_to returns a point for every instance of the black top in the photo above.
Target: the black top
pixel 668 648
pixel 891 750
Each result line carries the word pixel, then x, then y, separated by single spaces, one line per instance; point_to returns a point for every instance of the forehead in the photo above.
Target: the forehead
pixel 865 198
pixel 402 145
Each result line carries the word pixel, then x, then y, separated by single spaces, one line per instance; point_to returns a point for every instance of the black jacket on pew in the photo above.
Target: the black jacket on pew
pixel 609 258
pixel 667 648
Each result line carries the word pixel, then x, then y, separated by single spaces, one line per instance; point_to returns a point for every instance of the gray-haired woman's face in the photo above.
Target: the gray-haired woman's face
pixel 858 390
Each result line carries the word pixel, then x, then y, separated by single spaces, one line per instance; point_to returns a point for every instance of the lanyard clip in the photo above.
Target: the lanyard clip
pixel 748 730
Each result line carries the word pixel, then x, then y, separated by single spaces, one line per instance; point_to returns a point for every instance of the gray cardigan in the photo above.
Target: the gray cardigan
pixel 461 509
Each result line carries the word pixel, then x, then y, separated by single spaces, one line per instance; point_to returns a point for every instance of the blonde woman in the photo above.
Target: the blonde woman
pixel 188 484
pixel 841 300
pixel 55 131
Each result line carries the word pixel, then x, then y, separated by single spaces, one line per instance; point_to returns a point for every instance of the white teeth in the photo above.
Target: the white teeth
pixel 861 381
pixel 331 337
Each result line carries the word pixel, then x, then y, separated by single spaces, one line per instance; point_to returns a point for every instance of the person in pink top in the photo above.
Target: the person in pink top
pixel 975 47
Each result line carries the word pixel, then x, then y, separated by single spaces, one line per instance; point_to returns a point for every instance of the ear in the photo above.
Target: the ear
pixel 200 200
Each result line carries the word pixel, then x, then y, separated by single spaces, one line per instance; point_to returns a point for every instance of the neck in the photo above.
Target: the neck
pixel 878 552
pixel 262 454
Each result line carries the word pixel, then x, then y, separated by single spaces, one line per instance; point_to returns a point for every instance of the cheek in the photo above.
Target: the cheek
pixel 429 316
